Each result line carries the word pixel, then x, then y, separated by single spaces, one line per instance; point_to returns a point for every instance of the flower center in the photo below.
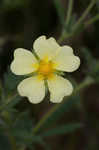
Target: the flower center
pixel 46 69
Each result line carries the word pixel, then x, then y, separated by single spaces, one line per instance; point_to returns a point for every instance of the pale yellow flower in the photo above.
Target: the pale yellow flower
pixel 52 58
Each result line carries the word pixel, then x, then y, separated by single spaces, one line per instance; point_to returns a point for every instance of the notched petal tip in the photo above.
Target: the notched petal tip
pixel 66 60
pixel 23 62
pixel 75 63
pixel 78 62
pixel 13 68
pixel 46 47
pixel 34 101
pixel 17 51
pixel 39 39
pixel 67 49
pixel 22 52
pixel 33 89
pixel 59 87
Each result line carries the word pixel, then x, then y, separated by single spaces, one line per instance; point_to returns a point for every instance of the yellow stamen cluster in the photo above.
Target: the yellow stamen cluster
pixel 45 69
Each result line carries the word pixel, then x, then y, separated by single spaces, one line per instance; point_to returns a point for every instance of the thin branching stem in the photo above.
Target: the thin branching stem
pixel 91 21
pixel 81 19
pixel 9 100
pixel 12 140
pixel 81 86
pixel 69 12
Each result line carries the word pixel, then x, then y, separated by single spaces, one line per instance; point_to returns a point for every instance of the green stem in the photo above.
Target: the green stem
pixel 60 10
pixel 94 19
pixel 70 6
pixel 81 86
pixel 88 80
pixel 12 140
pixel 92 3
pixel 44 118
pixel 61 39
pixel 9 100
pixel 64 36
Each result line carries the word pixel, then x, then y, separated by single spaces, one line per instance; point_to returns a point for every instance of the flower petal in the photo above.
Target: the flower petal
pixel 46 47
pixel 32 88
pixel 23 62
pixel 59 87
pixel 66 60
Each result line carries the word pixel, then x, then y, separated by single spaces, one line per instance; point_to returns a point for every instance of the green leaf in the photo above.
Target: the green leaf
pixel 11 81
pixel 4 142
pixel 10 104
pixel 64 129
pixel 22 129
pixel 23 123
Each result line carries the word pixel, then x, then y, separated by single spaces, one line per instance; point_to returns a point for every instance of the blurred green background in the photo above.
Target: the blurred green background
pixel 21 22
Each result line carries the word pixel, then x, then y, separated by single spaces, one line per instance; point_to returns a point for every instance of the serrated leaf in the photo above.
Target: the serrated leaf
pixel 63 129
